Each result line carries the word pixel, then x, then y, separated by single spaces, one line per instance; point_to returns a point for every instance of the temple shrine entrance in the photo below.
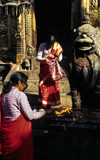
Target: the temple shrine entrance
pixel 53 17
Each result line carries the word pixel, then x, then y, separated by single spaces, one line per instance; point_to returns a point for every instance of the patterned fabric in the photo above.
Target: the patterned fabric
pixel 48 90
pixel 14 103
pixel 56 71
pixel 44 52
pixel 55 52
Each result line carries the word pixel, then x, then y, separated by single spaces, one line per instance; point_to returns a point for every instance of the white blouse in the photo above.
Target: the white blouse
pixel 43 52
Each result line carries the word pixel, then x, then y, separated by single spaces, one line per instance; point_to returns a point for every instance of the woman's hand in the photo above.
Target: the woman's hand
pixel 46 60
pixel 57 59
pixel 56 56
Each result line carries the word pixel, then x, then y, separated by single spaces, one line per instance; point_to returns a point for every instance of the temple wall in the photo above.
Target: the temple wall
pixel 83 7
pixel 18 35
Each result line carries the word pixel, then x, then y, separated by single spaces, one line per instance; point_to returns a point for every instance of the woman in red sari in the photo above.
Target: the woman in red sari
pixel 16 120
pixel 48 89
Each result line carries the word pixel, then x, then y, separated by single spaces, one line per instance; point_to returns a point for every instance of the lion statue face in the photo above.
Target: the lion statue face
pixel 87 39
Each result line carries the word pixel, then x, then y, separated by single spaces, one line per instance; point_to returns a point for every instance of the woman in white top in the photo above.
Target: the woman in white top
pixel 48 89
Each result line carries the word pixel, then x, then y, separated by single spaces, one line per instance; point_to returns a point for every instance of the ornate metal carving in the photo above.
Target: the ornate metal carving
pixel 83 7
pixel 16 30
pixel 93 12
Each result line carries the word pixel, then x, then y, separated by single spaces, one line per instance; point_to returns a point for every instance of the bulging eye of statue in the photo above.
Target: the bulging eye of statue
pixel 79 33
pixel 91 34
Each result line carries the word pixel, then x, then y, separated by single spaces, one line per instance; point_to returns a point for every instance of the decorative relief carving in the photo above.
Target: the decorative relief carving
pixel 93 12
pixel 3 25
pixel 16 28
pixel 93 15
pixel 90 7
pixel 94 3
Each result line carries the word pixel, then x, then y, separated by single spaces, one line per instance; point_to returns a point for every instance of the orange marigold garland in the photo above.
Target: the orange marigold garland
pixel 68 110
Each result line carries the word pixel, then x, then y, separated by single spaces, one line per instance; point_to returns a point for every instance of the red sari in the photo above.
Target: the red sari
pixel 48 90
pixel 17 139
pixel 49 86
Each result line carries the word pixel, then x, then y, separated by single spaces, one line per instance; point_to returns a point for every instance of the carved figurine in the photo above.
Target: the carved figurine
pixel 84 69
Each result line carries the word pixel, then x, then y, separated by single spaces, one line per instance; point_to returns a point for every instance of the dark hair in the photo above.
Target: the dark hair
pixel 14 79
pixel 49 38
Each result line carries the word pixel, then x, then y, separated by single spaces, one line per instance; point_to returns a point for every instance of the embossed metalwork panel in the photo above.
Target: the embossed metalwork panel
pixel 17 30
pixel 93 12
pixel 83 7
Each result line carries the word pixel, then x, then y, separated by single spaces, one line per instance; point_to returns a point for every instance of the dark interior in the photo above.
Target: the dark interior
pixel 53 16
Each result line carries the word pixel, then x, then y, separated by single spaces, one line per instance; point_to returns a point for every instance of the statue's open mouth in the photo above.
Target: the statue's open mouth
pixel 83 46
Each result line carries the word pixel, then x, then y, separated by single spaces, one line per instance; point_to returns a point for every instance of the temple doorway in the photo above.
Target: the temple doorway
pixel 54 16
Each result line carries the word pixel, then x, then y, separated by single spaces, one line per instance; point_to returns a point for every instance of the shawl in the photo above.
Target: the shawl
pixel 55 70
pixel 55 52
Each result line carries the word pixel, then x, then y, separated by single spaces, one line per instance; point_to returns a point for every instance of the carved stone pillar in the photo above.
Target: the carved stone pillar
pixel 30 24
pixel 27 27
pixel 34 31
pixel 23 24
pixel 83 8
pixel 19 37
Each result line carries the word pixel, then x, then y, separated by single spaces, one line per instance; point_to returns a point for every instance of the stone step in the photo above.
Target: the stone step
pixel 63 85
pixel 33 81
pixel 66 100
pixel 32 75
pixel 32 89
